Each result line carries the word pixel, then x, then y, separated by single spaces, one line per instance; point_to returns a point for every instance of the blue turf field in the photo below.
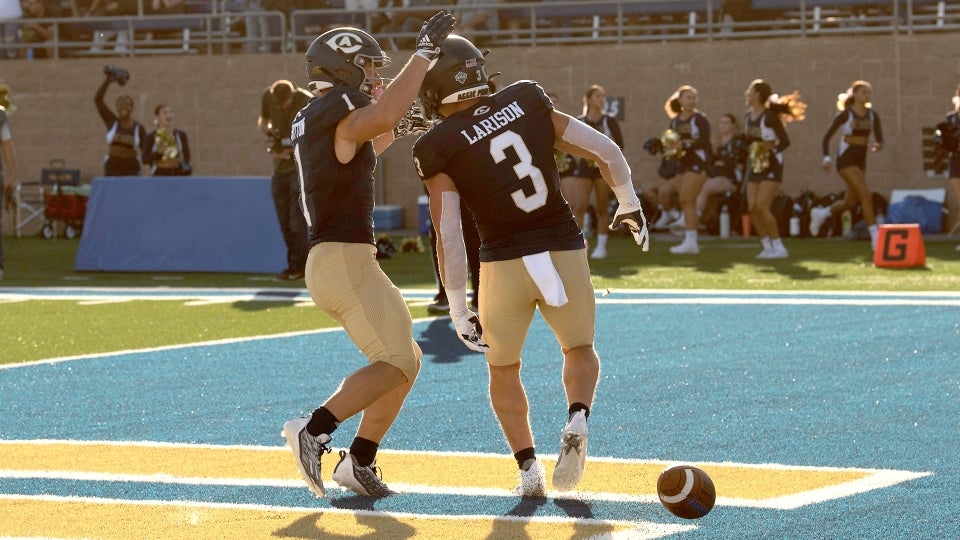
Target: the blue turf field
pixel 867 381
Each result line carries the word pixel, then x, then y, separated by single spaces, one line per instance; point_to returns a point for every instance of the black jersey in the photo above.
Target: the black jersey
pixel 851 124
pixel 338 198
pixel 766 127
pixel 499 154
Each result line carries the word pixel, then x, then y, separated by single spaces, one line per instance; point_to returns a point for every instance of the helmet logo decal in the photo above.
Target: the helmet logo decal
pixel 460 77
pixel 345 42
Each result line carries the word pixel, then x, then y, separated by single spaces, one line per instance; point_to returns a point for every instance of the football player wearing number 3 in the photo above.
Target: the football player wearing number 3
pixel 336 139
pixel 496 152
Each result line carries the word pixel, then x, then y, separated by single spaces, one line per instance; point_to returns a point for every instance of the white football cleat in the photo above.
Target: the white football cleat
pixel 307 450
pixel 361 480
pixel 533 480
pixel 573 453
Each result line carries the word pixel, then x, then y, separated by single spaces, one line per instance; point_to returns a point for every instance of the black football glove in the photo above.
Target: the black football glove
pixel 632 216
pixel 432 35
pixel 412 123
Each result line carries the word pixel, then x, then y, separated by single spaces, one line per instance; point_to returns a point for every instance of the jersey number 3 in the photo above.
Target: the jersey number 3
pixel 523 169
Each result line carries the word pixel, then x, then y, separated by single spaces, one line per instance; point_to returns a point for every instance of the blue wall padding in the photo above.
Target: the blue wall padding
pixel 181 224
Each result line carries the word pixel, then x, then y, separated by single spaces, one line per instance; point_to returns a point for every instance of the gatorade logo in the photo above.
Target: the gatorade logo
pixel 345 42
pixel 895 245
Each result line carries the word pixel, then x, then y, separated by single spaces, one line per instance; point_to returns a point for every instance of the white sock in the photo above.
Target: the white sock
pixel 602 241
pixel 765 242
pixel 777 243
pixel 689 237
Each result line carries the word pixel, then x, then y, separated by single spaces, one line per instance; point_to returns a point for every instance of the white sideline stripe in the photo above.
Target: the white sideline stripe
pixel 877 479
pixel 783 301
pixel 287 294
pixel 169 347
pixel 641 529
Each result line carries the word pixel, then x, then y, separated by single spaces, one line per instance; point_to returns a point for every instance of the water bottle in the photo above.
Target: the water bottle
pixel 795 225
pixel 724 222
pixel 847 222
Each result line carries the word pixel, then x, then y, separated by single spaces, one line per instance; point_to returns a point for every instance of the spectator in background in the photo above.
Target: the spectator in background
pixel 278 105
pixel 587 172
pixel 692 151
pixel 125 136
pixel 34 32
pixel 111 8
pixel 765 126
pixel 257 28
pixel 8 168
pixel 10 10
pixel 475 18
pixel 86 8
pixel 856 121
pixel 165 7
pixel 725 173
pixel 409 22
pixel 166 149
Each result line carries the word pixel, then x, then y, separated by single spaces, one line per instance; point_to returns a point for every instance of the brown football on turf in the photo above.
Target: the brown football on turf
pixel 686 491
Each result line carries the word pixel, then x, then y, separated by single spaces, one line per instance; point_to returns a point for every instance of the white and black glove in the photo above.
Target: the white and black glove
pixel 432 35
pixel 412 123
pixel 631 215
pixel 469 331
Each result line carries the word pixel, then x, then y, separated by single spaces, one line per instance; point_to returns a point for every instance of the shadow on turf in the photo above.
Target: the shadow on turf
pixel 440 342
pixel 381 525
pixel 721 256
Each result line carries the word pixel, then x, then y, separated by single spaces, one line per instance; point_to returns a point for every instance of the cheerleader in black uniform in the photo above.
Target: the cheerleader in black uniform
pixel 855 121
pixel 588 173
pixel 725 173
pixel 767 137
pixel 694 151
pixel 953 120
pixel 124 134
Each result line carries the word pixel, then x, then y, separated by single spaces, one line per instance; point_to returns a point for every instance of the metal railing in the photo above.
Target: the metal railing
pixel 522 24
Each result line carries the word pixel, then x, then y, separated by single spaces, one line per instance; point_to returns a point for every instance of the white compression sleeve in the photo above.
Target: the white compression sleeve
pixel 454 253
pixel 584 136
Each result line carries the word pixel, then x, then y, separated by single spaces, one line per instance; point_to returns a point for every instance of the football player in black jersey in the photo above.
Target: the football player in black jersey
pixel 496 152
pixel 856 121
pixel 336 139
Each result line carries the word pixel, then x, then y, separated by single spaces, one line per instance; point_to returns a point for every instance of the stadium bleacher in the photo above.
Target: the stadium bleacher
pixel 216 26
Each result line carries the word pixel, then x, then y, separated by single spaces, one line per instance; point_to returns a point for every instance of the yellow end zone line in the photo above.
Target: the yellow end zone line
pixel 774 486
pixel 71 517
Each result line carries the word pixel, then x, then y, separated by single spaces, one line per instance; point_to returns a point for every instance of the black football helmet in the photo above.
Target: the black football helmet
pixel 337 58
pixel 457 74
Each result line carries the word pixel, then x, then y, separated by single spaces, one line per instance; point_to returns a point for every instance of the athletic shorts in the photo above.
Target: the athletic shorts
pixel 509 298
pixel 853 156
pixel 346 281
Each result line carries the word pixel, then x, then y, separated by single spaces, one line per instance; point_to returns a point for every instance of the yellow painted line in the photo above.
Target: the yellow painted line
pixel 57 517
pixel 776 486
